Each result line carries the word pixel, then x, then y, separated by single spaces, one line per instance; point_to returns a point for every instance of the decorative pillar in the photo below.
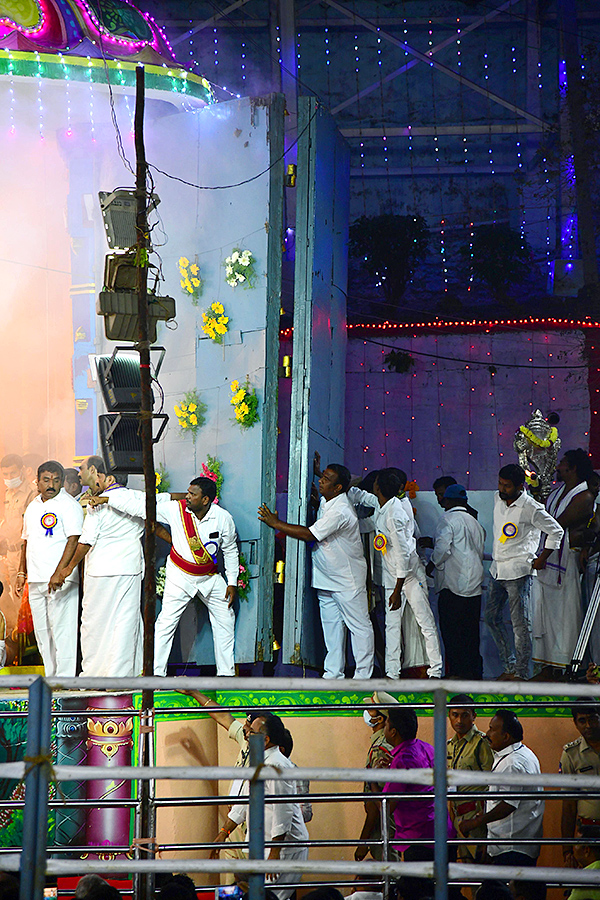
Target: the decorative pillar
pixel 71 735
pixel 109 744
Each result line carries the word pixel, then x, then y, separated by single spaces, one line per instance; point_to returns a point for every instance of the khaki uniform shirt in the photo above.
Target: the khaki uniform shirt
pixel 472 753
pixel 578 758
pixel 379 757
pixel 16 501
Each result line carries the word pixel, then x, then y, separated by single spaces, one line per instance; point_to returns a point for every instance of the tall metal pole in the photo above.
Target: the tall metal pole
pixel 35 815
pixel 146 821
pixel 256 817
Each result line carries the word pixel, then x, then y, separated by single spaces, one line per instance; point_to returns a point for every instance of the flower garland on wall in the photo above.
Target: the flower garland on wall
pixel 190 413
pixel 212 469
pixel 189 279
pixel 239 268
pixel 245 403
pixel 243 584
pixel 215 322
pixel 163 480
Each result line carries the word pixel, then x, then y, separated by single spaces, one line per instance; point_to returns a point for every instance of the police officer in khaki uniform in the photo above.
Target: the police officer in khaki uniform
pixel 581 757
pixel 468 749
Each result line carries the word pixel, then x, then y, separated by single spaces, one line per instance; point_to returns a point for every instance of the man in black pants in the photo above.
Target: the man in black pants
pixel 457 560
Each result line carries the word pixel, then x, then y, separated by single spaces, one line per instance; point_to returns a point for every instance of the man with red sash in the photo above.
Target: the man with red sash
pixel 199 529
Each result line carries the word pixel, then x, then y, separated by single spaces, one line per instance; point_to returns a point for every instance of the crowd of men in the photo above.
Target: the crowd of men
pixel 52 534
pixel 365 544
pixel 504 829
pixel 366 540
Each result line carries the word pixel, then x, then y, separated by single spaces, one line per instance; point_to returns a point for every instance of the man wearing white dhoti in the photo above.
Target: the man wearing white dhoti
pixel 200 529
pixel 111 621
pixel 284 826
pixel 403 573
pixel 557 606
pixel 52 524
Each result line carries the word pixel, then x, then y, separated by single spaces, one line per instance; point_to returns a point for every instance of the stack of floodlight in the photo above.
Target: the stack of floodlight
pixel 119 429
pixel 118 302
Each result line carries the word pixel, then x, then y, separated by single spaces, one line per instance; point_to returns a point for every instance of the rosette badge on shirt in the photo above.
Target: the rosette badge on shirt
pixel 49 521
pixel 509 530
pixel 380 543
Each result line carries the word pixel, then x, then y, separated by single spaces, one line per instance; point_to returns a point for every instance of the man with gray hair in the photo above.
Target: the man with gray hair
pixel 110 542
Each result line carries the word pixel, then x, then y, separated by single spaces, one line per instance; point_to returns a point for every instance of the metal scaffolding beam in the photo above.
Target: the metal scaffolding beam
pixel 424 57
pixel 446 43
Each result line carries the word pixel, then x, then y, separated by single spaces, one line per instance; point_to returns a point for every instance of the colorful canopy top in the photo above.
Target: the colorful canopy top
pixel 92 27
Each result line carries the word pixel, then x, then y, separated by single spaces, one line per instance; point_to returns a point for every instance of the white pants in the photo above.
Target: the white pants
pixel 111 626
pixel 288 851
pixel 340 611
pixel 180 588
pixel 414 592
pixel 55 626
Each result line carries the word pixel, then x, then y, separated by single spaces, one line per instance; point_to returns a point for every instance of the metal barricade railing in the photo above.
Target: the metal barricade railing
pixel 37 772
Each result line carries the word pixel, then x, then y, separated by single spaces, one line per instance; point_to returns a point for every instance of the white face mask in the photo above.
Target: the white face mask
pixel 12 483
pixel 369 721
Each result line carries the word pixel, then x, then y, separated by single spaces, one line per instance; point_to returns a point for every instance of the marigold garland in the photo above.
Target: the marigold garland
pixel 163 480
pixel 245 401
pixel 539 442
pixel 190 413
pixel 215 322
pixel 189 279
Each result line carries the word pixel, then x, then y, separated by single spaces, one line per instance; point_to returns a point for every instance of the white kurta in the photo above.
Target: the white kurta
pixel 556 595
pixel 111 621
pixel 217 532
pixel 54 613
pixel 280 818
pixel 396 523
pixel 339 573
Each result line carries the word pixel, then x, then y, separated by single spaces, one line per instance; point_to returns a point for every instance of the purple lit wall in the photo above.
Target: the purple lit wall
pixel 456 411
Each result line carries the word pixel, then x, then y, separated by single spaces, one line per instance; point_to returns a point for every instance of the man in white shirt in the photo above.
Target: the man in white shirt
pixel 52 524
pixel 509 821
pixel 458 559
pixel 518 522
pixel 557 607
pixel 284 824
pixel 111 621
pixel 199 531
pixel 403 573
pixel 339 572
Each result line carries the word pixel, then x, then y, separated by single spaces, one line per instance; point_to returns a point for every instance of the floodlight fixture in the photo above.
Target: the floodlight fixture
pixel 119 379
pixel 121 441
pixel 119 212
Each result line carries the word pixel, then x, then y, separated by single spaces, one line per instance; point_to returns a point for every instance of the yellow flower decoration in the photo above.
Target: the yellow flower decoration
pixel 184 261
pixel 192 407
pixel 193 420
pixel 235 385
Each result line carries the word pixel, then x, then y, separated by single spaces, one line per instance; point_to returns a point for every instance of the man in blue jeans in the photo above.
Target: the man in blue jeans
pixel 518 522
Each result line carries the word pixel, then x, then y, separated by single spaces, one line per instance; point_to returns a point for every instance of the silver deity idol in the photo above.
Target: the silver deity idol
pixel 537 444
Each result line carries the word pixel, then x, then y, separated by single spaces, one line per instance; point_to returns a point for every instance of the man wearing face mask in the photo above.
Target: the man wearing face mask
pixel 18 495
pixel 378 757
